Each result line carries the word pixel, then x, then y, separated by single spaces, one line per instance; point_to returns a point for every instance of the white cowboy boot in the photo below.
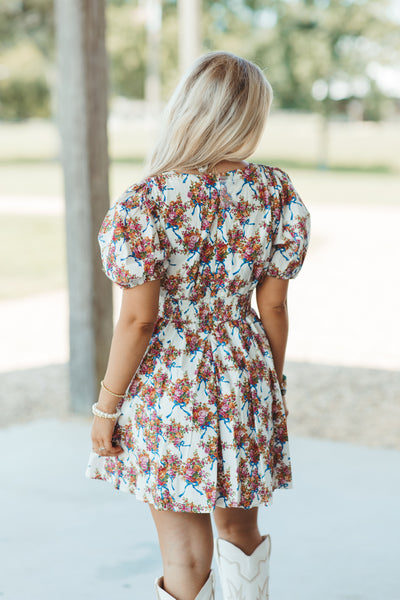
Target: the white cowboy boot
pixel 243 577
pixel 206 592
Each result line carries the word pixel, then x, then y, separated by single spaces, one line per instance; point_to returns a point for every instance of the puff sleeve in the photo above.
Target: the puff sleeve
pixel 291 228
pixel 132 244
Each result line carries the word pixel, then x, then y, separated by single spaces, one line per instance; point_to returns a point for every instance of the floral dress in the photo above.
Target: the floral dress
pixel 203 423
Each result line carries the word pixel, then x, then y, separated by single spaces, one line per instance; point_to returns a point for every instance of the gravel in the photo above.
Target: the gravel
pixel 353 405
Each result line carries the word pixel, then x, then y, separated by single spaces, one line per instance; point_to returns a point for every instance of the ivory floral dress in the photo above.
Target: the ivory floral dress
pixel 203 423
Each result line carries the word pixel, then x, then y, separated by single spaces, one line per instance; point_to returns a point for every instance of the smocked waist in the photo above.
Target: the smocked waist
pixel 206 314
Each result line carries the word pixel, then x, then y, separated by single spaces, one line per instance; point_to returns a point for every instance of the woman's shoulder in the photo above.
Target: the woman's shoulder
pixel 139 195
pixel 151 186
pixel 175 177
pixel 279 180
pixel 274 172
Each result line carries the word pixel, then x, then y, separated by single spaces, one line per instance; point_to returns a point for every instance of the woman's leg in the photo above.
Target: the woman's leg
pixel 239 527
pixel 186 544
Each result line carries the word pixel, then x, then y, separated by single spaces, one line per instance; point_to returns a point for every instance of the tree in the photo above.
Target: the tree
pixel 305 46
pixel 26 58
pixel 316 54
pixel 302 42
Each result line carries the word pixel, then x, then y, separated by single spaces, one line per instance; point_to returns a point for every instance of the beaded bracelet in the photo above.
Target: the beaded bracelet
pixel 283 387
pixel 100 413
pixel 109 391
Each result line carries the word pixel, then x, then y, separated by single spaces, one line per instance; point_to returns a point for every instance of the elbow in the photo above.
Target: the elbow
pixel 274 312
pixel 281 307
pixel 146 327
pixel 278 307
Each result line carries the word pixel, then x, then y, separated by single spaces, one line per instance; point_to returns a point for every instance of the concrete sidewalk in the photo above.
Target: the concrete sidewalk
pixel 335 535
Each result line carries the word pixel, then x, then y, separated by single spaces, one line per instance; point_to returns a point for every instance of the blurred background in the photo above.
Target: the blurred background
pixel 334 66
pixel 335 128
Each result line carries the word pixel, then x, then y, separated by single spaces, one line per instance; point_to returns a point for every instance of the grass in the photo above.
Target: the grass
pixel 34 251
pixel 35 245
pixel 322 186
pixel 285 163
pixel 364 167
pixel 41 179
pixel 346 188
pixel 292 138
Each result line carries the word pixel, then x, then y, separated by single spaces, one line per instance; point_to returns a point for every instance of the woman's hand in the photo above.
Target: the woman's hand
pixel 101 434
pixel 285 406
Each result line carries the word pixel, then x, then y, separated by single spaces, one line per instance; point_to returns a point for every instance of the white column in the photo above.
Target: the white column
pixel 153 81
pixel 189 12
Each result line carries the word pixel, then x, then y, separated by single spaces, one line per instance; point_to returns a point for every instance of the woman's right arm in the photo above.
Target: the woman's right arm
pixel 271 296
pixel 290 235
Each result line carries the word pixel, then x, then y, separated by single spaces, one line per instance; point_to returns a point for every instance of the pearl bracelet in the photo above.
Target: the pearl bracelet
pixel 100 413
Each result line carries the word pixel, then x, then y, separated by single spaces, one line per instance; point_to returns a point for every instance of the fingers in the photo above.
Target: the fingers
pixel 105 448
pixel 114 452
pixel 102 436
pixel 285 406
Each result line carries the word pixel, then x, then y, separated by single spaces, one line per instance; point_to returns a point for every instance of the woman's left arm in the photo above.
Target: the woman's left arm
pixel 132 334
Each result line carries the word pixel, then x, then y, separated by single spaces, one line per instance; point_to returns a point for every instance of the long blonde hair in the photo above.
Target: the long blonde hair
pixel 217 112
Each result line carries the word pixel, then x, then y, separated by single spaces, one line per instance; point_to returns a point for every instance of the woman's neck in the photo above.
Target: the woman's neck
pixel 222 167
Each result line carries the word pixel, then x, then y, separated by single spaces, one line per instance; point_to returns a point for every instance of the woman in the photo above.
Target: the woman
pixel 192 409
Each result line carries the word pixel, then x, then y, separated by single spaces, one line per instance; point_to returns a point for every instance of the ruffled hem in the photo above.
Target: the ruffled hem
pixel 170 504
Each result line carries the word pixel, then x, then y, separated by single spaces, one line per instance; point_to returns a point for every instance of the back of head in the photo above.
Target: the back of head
pixel 217 112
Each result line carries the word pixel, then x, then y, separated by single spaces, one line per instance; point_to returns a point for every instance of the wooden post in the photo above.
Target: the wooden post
pixel 189 14
pixel 82 119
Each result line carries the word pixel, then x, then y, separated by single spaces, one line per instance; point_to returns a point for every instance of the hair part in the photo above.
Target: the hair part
pixel 217 112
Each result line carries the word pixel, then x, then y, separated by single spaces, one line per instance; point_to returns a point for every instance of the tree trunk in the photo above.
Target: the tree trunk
pixel 82 119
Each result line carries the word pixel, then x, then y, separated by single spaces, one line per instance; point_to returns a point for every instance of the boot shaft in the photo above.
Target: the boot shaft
pixel 243 577
pixel 206 592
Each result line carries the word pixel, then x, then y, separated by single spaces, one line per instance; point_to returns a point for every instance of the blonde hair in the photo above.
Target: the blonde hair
pixel 217 112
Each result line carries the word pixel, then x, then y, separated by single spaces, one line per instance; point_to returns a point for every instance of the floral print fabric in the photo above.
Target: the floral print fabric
pixel 203 423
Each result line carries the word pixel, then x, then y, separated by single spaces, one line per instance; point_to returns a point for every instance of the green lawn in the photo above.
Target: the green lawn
pixel 45 180
pixel 363 154
pixel 34 245
pixel 290 137
pixel 33 251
